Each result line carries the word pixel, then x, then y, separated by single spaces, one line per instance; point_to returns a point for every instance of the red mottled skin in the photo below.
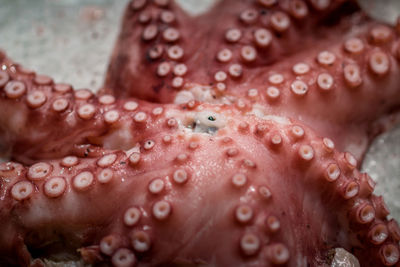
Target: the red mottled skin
pixel 260 172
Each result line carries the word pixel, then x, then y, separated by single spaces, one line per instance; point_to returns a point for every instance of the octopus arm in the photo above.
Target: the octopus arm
pixel 160 46
pixel 289 198
pixel 330 88
pixel 42 120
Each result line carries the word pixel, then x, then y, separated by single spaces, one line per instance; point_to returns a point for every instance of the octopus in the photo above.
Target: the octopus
pixel 233 138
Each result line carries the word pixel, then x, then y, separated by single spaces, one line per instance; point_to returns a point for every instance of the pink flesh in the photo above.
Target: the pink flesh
pixel 212 143
pixel 133 73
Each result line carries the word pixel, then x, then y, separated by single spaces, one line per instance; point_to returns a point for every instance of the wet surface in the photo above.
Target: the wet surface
pixel 72 41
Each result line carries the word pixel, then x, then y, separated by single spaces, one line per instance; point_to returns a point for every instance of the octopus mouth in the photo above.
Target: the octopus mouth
pixel 206 122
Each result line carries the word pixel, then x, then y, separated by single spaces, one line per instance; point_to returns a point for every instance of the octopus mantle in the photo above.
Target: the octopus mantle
pixel 229 139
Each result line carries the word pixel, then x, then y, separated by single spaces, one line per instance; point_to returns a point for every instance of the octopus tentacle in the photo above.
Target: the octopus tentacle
pixel 42 115
pixel 233 28
pixel 256 219
pixel 53 120
pixel 151 31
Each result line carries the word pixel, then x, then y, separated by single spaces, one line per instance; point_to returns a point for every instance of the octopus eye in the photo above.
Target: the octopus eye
pixel 211 118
